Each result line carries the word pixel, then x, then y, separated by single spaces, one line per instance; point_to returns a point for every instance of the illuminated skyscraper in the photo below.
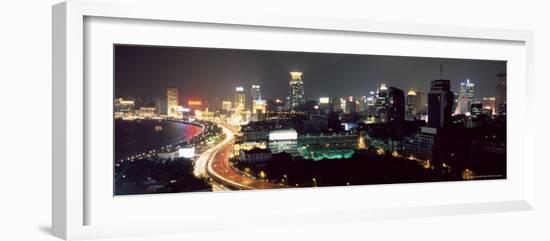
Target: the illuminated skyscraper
pixel 440 103
pixel 172 102
pixel 255 93
pixel 351 105
pixel 465 97
pixel 489 105
pixel 296 97
pixel 390 104
pixel 415 105
pixel 239 99
pixel 501 93
pixel 382 104
pixel 363 104
pixel 259 109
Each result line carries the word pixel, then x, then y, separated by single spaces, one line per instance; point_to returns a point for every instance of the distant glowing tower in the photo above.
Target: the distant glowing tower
pixel 465 97
pixel 172 101
pixel 489 105
pixel 239 99
pixel 415 105
pixel 255 93
pixel 296 96
pixel 500 100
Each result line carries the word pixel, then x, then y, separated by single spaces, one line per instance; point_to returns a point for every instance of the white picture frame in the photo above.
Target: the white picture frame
pixel 73 192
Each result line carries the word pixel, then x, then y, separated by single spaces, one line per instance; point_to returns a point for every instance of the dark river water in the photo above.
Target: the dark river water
pixel 134 137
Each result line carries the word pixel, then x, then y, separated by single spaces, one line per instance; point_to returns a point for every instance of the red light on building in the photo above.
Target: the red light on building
pixel 194 103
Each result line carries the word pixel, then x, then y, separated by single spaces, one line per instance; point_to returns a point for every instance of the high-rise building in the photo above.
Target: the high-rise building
pixel 259 109
pixel 382 104
pixel 396 105
pixel 390 104
pixel 296 97
pixel 440 103
pixel 351 105
pixel 489 105
pixel 465 97
pixel 415 106
pixel 172 102
pixel 371 103
pixel 255 94
pixel 500 100
pixel 239 99
pixel 363 104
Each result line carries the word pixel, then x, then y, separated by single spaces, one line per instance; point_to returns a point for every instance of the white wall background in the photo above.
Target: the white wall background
pixel 25 143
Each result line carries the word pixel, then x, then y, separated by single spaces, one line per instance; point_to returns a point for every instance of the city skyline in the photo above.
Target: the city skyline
pixel 306 120
pixel 146 71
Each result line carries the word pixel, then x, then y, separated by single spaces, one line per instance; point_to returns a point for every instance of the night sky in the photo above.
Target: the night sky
pixel 212 74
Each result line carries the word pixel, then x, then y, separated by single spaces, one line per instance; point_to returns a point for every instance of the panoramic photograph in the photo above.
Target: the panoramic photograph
pixel 190 119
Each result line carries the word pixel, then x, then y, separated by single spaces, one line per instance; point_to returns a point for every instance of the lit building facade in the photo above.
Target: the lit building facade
pixel 255 93
pixel 283 141
pixel 172 102
pixel 351 105
pixel 390 104
pixel 415 106
pixel 226 105
pixel 465 97
pixel 239 99
pixel 296 96
pixel 259 109
pixel 500 98
pixel 123 108
pixel 382 104
pixel 489 105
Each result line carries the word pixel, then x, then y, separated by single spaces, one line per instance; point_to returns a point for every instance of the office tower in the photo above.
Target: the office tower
pixel 390 104
pixel 259 109
pixel 296 97
pixel 371 103
pixel 396 105
pixel 489 105
pixel 413 105
pixel 255 94
pixel 351 105
pixel 172 102
pixel 363 104
pixel 465 97
pixel 382 104
pixel 440 103
pixel 239 99
pixel 501 92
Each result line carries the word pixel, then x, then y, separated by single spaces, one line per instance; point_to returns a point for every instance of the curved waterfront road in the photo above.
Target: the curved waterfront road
pixel 214 163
